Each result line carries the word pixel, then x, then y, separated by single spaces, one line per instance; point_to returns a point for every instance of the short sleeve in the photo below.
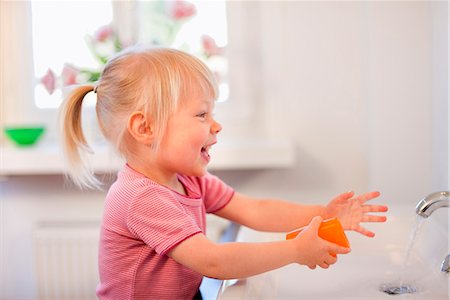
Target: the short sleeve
pixel 159 219
pixel 216 193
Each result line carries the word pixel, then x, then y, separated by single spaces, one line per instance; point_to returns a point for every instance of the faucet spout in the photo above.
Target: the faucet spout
pixel 430 203
pixel 445 266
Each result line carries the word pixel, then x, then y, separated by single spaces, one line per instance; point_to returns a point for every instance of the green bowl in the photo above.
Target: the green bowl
pixel 24 136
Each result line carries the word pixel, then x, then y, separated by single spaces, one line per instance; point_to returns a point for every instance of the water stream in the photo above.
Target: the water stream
pixel 414 233
pixel 402 287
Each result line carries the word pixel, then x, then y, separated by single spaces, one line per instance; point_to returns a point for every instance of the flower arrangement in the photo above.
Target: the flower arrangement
pixel 103 44
pixel 166 18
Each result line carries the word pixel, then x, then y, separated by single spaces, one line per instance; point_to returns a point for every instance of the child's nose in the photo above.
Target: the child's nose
pixel 215 127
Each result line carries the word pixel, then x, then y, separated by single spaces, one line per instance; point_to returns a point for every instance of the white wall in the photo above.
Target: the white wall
pixel 364 93
pixel 361 87
pixel 408 123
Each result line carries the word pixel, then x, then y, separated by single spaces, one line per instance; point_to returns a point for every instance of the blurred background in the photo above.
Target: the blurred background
pixel 317 98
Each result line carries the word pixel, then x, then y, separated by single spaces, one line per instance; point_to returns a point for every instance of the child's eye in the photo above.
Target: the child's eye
pixel 202 115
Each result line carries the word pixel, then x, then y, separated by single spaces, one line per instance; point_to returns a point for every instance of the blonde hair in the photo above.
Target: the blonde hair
pixel 152 80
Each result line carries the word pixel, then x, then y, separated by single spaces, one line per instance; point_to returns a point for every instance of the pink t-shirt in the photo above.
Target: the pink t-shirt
pixel 142 221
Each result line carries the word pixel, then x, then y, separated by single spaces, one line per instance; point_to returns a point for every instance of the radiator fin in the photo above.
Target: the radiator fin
pixel 66 255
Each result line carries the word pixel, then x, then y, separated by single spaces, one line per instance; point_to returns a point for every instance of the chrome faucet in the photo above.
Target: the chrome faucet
pixel 445 266
pixel 427 206
pixel 430 203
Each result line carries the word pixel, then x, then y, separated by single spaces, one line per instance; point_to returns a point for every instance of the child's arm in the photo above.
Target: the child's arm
pixel 278 215
pixel 271 215
pixel 238 260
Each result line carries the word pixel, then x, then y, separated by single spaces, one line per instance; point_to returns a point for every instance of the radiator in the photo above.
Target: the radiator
pixel 66 260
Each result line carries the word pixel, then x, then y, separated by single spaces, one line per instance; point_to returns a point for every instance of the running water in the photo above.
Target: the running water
pixel 402 288
pixel 414 233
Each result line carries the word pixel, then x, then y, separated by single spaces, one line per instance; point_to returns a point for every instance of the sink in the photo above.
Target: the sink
pixel 361 273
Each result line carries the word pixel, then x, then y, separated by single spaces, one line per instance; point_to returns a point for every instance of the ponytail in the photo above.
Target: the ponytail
pixel 74 142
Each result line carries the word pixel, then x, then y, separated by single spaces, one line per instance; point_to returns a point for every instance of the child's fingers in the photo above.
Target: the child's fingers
pixel 375 208
pixel 315 224
pixel 328 261
pixel 342 198
pixel 364 231
pixel 368 196
pixel 377 219
pixel 331 259
pixel 336 249
pixel 312 228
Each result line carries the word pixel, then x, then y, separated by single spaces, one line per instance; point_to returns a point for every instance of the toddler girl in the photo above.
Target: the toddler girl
pixel 155 106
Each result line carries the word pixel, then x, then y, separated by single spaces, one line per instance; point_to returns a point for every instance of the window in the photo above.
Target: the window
pixel 59 31
pixel 254 49
pixel 89 37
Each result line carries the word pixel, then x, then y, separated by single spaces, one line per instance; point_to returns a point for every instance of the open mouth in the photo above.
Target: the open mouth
pixel 205 152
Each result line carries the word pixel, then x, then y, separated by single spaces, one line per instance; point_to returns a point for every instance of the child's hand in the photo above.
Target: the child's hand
pixel 314 251
pixel 352 211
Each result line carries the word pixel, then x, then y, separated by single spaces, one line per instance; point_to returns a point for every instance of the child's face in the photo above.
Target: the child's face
pixel 190 133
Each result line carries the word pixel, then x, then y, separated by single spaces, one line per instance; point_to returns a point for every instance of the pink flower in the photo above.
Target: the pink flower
pixel 103 33
pixel 210 47
pixel 49 81
pixel 181 9
pixel 69 74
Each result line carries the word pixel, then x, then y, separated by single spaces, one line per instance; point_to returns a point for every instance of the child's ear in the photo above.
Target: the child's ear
pixel 140 128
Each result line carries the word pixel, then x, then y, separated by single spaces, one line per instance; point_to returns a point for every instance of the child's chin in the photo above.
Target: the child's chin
pixel 200 172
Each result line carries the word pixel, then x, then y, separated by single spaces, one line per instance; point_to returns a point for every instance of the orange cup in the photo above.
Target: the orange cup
pixel 330 230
